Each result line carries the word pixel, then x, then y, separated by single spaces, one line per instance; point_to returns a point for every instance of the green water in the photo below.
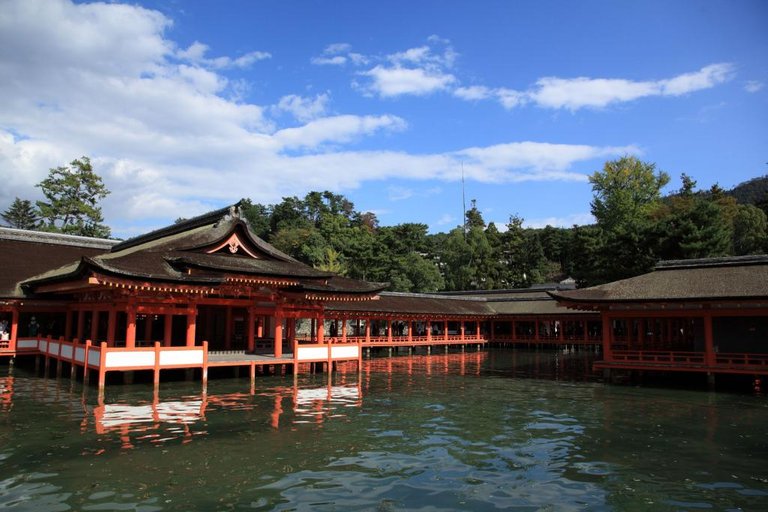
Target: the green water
pixel 479 431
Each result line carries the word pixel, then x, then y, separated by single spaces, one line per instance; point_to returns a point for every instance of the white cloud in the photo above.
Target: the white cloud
pixel 304 109
pixel 473 93
pixel 753 86
pixel 336 60
pixel 335 129
pixel 576 219
pixel 585 92
pixel 338 54
pixel 396 193
pixel 195 54
pixel 445 220
pixel 103 80
pixel 416 71
pixel 396 81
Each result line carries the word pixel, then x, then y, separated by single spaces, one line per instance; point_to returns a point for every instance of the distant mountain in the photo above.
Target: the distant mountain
pixel 754 191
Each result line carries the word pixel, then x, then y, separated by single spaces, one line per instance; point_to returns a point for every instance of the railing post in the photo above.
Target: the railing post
pixel 102 367
pixel 156 375
pixel 205 363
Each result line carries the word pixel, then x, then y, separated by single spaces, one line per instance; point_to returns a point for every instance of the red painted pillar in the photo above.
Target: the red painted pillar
pixel 80 323
pixel 148 327
pixel 251 342
pixel 130 329
pixel 278 335
pixel 259 328
pixel 191 328
pixel 389 330
pixel 68 325
pixel 367 330
pixel 167 329
pixel 462 330
pixel 429 331
pixel 344 330
pixel 445 330
pixel 228 329
pixel 14 328
pixel 410 331
pixel 607 337
pixel 111 326
pixel 710 356
pixel 321 330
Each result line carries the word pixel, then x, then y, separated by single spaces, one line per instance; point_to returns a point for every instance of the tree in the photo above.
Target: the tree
pixel 626 192
pixel 21 215
pixel 750 230
pixel 72 195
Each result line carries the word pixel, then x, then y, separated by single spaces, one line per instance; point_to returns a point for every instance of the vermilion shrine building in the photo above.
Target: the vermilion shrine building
pixel 207 292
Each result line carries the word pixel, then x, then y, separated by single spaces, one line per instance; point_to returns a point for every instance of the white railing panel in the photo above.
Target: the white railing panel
pixel 53 348
pixel 66 352
pixel 26 344
pixel 94 357
pixel 309 353
pixel 181 357
pixel 130 359
pixel 80 354
pixel 345 352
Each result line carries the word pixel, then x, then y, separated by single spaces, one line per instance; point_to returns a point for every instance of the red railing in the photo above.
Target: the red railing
pixel 648 356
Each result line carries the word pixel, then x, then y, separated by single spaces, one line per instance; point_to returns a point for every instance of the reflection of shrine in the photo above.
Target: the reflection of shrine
pixel 6 393
pixel 161 421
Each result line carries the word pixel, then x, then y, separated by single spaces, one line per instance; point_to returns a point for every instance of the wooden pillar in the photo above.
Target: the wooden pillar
pixel 111 326
pixel 321 330
pixel 429 330
pixel 191 328
pixel 228 329
pixel 607 337
pixel 477 331
pixel 259 327
pixel 462 330
pixel 344 330
pixel 80 323
pixel 130 328
pixel 251 332
pixel 278 334
pixel 389 330
pixel 148 327
pixel 410 331
pixel 514 330
pixel 367 330
pixel 584 331
pixel 14 328
pixel 167 329
pixel 68 325
pixel 445 331
pixel 709 341
pixel 561 330
pixel 536 329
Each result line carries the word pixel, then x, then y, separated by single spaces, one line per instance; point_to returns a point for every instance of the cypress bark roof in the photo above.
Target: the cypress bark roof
pixel 24 254
pixel 207 250
pixel 702 280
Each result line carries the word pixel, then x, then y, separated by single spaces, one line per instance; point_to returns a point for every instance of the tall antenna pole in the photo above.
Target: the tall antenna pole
pixel 463 201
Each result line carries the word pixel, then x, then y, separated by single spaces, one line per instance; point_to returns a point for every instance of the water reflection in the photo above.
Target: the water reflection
pixel 441 432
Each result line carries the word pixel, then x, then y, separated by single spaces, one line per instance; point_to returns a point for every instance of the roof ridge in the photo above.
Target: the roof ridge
pixel 721 261
pixel 27 235
pixel 186 225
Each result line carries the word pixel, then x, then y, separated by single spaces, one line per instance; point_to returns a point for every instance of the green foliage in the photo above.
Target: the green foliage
pixel 750 230
pixel 72 196
pixel 635 228
pixel 21 215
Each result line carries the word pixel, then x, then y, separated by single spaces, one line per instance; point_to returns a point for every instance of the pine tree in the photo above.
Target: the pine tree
pixel 21 215
pixel 72 194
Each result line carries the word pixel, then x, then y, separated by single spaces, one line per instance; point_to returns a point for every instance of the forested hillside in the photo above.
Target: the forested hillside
pixel 636 226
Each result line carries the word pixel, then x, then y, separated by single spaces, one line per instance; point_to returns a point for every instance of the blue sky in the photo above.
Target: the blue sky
pixel 186 106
